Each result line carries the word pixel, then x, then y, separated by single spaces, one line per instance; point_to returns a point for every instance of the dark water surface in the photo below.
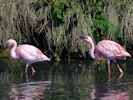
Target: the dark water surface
pixel 75 80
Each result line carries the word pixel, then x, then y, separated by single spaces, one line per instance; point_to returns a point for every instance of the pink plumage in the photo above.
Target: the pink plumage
pixel 26 53
pixel 108 49
pixel 29 54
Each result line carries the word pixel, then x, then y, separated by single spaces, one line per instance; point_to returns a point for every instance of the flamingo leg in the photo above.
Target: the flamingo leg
pixel 33 70
pixel 109 72
pixel 26 69
pixel 27 77
pixel 120 69
pixel 119 77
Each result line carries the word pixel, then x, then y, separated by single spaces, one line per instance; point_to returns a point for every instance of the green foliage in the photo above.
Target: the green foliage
pixel 102 23
pixel 58 10
pixel 56 57
pixel 24 40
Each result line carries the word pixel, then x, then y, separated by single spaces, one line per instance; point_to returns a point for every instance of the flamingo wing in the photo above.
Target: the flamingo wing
pixel 111 49
pixel 29 52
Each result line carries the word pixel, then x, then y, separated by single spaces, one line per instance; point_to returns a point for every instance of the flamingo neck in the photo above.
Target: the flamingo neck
pixel 92 54
pixel 13 51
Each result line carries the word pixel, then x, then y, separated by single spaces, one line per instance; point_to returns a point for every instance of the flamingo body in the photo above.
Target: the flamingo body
pixel 29 54
pixel 108 49
pixel 26 53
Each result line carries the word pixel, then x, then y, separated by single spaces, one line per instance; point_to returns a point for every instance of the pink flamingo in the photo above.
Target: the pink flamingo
pixel 108 49
pixel 26 53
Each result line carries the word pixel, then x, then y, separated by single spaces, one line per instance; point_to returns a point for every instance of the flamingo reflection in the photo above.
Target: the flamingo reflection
pixel 28 90
pixel 110 93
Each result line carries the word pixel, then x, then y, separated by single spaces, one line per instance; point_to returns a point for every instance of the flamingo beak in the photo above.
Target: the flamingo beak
pixel 82 37
pixel 129 55
pixel 6 49
pixel 48 59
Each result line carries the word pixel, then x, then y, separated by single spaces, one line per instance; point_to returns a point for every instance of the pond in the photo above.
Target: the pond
pixel 75 80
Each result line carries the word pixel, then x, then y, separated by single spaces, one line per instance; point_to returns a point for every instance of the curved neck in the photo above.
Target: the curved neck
pixel 13 51
pixel 92 54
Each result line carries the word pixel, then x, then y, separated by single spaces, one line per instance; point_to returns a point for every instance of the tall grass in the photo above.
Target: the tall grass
pixel 127 24
pixel 24 20
pixel 120 14
pixel 111 11
pixel 54 25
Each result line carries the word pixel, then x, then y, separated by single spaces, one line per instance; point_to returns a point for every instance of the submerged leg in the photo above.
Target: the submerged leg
pixel 109 73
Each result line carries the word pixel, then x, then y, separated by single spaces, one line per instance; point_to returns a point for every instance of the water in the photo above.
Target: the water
pixel 76 80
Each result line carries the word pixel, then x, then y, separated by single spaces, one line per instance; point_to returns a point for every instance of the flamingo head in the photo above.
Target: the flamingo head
pixel 85 38
pixel 10 43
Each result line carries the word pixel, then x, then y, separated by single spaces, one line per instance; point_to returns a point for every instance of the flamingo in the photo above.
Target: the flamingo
pixel 26 53
pixel 107 49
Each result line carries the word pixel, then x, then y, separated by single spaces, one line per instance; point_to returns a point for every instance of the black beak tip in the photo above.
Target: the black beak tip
pixel 82 36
